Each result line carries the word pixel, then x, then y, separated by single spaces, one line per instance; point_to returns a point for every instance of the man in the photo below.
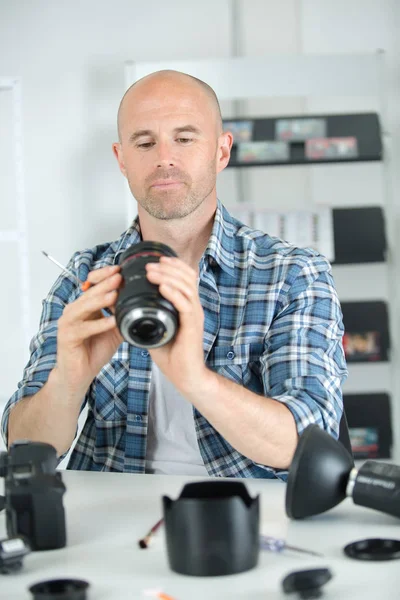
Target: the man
pixel 258 355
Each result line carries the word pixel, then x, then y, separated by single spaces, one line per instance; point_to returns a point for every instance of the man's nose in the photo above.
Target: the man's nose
pixel 165 156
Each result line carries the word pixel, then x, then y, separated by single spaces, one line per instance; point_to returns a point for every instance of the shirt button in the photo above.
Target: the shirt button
pixel 144 353
pixel 230 355
pixel 138 418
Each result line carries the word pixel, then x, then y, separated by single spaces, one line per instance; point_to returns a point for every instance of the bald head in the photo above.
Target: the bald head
pixel 171 146
pixel 173 81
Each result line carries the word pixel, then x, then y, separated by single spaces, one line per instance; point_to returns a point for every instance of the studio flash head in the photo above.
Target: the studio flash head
pixel 322 474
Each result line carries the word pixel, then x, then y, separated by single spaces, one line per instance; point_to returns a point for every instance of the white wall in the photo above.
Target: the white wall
pixel 71 56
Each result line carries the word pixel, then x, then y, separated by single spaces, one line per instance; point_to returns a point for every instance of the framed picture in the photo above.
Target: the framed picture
pixel 253 152
pixel 370 424
pixel 362 346
pixel 331 148
pixel 299 130
pixel 366 325
pixel 364 442
pixel 242 131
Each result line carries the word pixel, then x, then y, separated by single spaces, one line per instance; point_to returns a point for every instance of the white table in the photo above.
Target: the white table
pixel 108 512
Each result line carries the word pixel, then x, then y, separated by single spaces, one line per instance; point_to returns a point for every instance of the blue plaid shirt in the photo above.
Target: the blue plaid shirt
pixel 273 324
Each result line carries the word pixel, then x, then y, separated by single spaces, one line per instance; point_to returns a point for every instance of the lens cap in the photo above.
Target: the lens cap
pixel 373 549
pixel 307 583
pixel 60 589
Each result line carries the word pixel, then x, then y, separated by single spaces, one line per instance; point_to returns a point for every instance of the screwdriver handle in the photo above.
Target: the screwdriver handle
pixel 273 544
pixel 268 542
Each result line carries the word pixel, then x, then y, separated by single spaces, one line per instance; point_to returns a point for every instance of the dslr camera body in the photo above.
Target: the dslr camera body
pixel 33 495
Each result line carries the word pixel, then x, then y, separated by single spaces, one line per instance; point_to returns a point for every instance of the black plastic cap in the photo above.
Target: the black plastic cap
pixel 60 589
pixel 376 549
pixel 307 583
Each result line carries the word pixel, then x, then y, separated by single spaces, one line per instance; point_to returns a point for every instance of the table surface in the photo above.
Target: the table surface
pixel 107 513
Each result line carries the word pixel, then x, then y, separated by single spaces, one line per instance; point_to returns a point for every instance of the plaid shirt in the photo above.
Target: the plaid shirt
pixel 273 324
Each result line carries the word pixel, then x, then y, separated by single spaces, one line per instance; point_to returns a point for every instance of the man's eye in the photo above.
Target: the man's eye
pixel 146 145
pixel 184 140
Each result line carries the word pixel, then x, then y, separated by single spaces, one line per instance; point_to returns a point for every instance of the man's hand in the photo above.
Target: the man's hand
pixel 182 360
pixel 86 340
pixel 85 343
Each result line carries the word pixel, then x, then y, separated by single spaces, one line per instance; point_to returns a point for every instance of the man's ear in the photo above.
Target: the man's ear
pixel 225 142
pixel 119 156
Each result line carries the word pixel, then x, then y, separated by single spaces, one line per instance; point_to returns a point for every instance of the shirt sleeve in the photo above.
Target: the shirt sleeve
pixel 304 365
pixel 43 347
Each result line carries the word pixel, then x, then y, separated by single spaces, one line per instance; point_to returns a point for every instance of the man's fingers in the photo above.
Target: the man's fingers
pixel 89 305
pixel 177 262
pixel 181 302
pixel 175 275
pixel 94 303
pixel 106 285
pixel 172 281
pixel 177 268
pixel 75 335
pixel 99 275
pixel 91 328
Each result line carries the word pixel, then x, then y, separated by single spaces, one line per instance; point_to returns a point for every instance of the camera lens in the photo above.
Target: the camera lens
pixel 147 329
pixel 144 317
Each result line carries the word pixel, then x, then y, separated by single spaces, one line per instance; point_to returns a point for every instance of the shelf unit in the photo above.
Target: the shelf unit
pixel 241 78
pixel 363 129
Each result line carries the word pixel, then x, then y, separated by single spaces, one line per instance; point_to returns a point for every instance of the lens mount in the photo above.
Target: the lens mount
pixel 148 317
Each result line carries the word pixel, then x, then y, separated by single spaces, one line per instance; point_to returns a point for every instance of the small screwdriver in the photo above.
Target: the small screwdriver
pixel 276 545
pixel 84 285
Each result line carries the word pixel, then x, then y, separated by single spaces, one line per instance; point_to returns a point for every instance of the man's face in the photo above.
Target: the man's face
pixel 169 148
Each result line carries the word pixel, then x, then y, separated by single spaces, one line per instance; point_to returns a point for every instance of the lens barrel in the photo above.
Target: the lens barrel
pixel 144 317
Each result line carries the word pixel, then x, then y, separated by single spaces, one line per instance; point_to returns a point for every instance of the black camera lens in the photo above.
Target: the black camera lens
pixel 147 329
pixel 144 317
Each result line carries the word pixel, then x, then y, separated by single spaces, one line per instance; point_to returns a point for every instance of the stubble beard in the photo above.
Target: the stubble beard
pixel 167 204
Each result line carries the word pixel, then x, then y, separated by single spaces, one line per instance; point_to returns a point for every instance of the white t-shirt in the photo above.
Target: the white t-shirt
pixel 172 447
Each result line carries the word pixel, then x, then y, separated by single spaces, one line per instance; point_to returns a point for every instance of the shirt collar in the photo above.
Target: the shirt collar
pixel 220 247
pixel 128 238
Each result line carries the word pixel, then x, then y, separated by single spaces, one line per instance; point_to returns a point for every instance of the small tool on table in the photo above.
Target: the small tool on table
pixel 267 542
pixel 277 545
pixel 157 594
pixel 144 542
